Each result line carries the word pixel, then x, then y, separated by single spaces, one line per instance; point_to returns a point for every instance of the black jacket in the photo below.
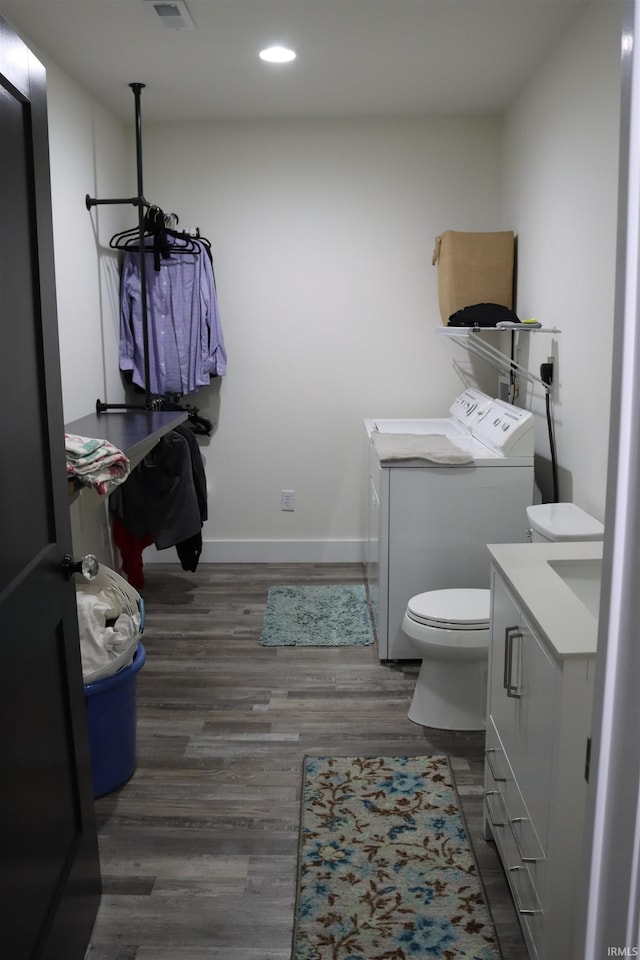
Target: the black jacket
pixel 165 496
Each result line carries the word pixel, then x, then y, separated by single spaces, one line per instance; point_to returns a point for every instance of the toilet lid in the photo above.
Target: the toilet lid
pixel 463 609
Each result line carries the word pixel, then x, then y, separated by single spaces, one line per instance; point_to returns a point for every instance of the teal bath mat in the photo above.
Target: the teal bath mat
pixel 326 616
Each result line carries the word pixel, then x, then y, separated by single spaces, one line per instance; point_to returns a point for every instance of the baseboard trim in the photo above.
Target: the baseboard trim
pixel 269 551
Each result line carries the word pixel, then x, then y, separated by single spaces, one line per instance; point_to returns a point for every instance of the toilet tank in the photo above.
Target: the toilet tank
pixel 562 521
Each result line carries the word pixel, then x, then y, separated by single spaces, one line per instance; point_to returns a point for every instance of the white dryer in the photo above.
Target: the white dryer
pixel 429 523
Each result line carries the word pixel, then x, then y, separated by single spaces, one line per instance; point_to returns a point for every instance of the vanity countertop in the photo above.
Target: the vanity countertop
pixel 548 603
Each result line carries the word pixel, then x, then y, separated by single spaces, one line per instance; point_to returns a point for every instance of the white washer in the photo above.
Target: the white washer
pixel 429 523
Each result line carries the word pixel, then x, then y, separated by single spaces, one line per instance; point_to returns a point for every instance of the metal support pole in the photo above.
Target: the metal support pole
pixel 137 87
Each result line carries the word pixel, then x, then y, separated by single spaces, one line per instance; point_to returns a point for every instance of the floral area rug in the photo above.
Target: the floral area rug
pixel 325 616
pixel 386 870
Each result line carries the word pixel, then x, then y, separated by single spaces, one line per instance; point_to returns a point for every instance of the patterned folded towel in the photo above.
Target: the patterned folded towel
pixel 95 463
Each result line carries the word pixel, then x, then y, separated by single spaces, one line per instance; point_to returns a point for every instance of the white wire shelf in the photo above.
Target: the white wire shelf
pixel 470 338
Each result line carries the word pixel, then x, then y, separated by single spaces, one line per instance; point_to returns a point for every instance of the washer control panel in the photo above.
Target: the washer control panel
pixel 506 429
pixel 468 406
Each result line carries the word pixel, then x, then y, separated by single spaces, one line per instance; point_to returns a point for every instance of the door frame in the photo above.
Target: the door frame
pixel 67 928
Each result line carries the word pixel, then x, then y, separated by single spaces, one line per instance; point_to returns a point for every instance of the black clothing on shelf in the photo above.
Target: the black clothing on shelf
pixel 165 496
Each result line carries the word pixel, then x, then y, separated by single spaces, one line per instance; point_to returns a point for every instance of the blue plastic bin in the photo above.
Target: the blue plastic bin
pixel 111 718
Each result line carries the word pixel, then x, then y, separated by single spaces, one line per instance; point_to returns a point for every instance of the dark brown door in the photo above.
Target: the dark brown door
pixel 49 875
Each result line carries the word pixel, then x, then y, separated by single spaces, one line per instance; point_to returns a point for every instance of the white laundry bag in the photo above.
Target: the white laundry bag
pixel 110 621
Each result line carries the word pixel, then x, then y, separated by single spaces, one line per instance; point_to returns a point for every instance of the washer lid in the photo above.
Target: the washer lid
pixel 564 521
pixel 460 609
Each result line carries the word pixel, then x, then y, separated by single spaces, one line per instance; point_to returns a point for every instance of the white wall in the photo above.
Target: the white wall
pixel 322 234
pixel 89 155
pixel 561 177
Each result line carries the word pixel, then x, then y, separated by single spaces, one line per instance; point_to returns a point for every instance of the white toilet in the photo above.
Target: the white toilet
pixel 450 631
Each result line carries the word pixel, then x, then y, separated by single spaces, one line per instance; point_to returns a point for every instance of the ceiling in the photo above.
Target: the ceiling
pixel 355 57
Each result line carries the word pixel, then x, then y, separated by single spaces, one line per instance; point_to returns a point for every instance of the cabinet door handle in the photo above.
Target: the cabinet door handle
pixel 511 633
pixel 494 773
pixel 507 654
pixel 516 894
pixel 517 842
pixel 492 817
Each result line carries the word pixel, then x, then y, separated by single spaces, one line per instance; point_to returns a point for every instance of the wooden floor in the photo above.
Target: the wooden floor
pixel 198 850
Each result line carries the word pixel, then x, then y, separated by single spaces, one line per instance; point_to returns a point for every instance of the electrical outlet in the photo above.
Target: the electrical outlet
pixel 504 389
pixel 546 371
pixel 287 499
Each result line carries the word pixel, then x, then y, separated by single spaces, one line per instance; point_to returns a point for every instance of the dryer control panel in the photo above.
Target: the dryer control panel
pixel 505 429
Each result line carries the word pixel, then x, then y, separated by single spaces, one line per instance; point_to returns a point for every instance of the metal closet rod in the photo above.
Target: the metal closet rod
pixel 94 201
pixel 142 205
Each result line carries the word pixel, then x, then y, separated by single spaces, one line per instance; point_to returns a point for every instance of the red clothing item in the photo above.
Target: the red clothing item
pixel 131 552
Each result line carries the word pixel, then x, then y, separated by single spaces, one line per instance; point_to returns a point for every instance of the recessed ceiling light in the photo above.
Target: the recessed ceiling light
pixel 277 55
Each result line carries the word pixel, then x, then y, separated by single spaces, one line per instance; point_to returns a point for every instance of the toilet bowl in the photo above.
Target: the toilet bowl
pixel 449 630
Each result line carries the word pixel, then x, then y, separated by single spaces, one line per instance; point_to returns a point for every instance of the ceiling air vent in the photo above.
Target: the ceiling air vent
pixel 171 13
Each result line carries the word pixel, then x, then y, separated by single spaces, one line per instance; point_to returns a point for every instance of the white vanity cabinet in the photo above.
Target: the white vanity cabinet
pixel 539 710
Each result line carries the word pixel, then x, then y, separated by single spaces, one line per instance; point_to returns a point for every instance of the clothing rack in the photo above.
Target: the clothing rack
pixel 142 205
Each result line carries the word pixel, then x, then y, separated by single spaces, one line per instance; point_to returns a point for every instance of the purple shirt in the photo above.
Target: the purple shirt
pixel 186 346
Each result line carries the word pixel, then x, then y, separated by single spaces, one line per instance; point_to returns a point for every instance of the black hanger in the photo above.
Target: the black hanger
pixel 197 237
pixel 159 239
pixel 120 240
pixel 184 242
pixel 172 401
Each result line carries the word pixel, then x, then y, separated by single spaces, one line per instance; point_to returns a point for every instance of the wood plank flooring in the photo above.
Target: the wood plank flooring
pixel 198 850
